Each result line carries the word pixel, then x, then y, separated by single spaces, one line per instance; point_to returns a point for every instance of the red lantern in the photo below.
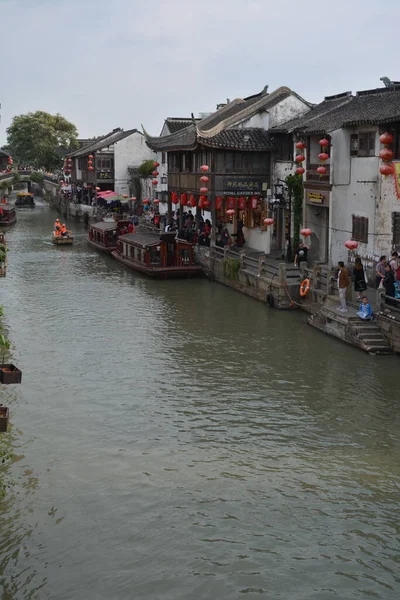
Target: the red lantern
pixel 10 160
pixel 192 200
pixel 323 156
pixel 90 163
pixel 218 202
pixel 133 198
pixel 386 154
pixel 254 201
pixel 230 212
pixel 184 199
pixel 156 201
pixel 351 244
pixel 204 179
pixel 386 169
pixel 155 173
pixel 269 221
pixel 242 203
pixel 300 171
pixel 300 158
pixel 202 200
pixel 300 145
pixel 306 232
pixel 207 203
pixel 322 171
pixel 124 196
pixel 90 156
pixel 154 182
pixel 230 202
pixel 324 143
pixel 204 168
pixel 386 138
pixel 174 198
pixel 146 201
pixel 89 169
pixel 156 164
pixel 203 190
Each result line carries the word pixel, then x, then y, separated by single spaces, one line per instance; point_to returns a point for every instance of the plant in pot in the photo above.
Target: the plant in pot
pixel 8 372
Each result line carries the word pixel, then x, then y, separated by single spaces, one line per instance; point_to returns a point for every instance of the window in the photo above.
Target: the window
pixel 362 143
pixel 105 164
pixel 360 229
pixel 396 229
pixel 163 160
pixel 228 162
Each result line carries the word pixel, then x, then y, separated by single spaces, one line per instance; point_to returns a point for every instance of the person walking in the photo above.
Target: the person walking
pixel 388 284
pixel 394 263
pixel 300 255
pixel 343 284
pixel 380 271
pixel 360 285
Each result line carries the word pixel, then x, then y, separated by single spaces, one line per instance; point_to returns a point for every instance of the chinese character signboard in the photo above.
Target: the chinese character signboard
pixel 105 175
pixel 317 197
pixel 244 186
pixel 396 175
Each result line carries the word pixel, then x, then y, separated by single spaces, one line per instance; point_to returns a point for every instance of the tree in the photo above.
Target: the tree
pixel 40 139
pixel 294 185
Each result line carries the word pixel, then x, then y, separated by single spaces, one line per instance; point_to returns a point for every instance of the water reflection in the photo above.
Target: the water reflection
pixel 187 442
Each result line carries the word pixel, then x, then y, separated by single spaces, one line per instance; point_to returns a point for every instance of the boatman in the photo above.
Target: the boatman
pixel 57 225
pixel 63 230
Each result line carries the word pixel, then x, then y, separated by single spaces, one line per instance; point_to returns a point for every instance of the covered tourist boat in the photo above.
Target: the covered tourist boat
pixel 25 200
pixel 103 236
pixel 59 240
pixel 8 216
pixel 162 256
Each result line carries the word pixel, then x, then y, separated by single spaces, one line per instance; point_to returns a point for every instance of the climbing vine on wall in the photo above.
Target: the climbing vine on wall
pixel 295 188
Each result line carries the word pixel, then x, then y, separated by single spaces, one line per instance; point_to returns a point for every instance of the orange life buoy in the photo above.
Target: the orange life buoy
pixel 304 287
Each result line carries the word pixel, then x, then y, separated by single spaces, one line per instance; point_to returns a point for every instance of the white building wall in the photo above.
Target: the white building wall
pixel 129 152
pixel 289 108
pixel 387 205
pixel 260 121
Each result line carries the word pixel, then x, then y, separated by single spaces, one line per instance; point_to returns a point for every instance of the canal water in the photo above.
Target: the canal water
pixel 179 441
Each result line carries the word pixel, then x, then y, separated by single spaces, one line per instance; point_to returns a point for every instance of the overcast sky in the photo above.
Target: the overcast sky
pixel 122 63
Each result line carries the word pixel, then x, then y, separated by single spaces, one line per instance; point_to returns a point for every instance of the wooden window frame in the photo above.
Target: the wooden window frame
pixel 370 138
pixel 360 229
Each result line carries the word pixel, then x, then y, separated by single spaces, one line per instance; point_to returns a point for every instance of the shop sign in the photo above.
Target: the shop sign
pixel 317 197
pixel 235 186
pixel 105 175
pixel 396 175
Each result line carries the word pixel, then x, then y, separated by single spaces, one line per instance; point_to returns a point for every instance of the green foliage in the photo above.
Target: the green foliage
pixel 295 188
pixel 146 168
pixel 38 138
pixel 37 177
pixel 231 268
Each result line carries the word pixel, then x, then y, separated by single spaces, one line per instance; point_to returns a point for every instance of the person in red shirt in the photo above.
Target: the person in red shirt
pixel 131 228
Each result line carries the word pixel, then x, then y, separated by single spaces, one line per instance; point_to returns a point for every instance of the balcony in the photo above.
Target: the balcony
pixel 313 175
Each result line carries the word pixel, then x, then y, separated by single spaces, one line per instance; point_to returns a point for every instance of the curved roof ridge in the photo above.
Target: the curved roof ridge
pixel 170 137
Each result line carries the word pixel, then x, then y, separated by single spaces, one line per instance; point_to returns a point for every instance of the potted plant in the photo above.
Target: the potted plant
pixel 8 372
pixel 4 415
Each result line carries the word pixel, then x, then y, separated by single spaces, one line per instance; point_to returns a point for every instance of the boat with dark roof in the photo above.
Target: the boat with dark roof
pixel 163 256
pixel 8 215
pixel 104 235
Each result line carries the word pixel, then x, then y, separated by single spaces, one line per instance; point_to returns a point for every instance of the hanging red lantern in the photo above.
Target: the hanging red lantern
pixel 230 212
pixel 202 199
pixel 254 202
pixel 306 232
pixel 207 203
pixel 192 200
pixel 155 173
pixel 323 156
pixel 322 171
pixel 156 201
pixel 89 169
pixel 300 158
pixel 300 170
pixel 230 202
pixel 300 145
pixel 156 164
pixel 324 143
pixel 90 164
pixel 386 169
pixel 269 221
pixel 124 196
pixel 351 244
pixel 218 202
pixel 203 190
pixel 204 179
pixel 386 138
pixel 386 154
pixel 184 199
pixel 174 198
pixel 146 201
pixel 90 156
pixel 242 203
pixel 204 168
pixel 154 182
pixel 133 198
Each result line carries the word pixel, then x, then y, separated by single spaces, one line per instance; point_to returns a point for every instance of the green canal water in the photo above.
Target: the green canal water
pixel 179 441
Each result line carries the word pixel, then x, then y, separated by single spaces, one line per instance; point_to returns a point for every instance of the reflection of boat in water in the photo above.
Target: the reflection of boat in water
pixel 163 256
pixel 60 240
pixel 103 236
pixel 25 200
pixel 8 215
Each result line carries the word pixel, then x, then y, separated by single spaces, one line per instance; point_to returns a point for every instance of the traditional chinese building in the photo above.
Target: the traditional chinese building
pixel 4 157
pixel 348 196
pixel 235 144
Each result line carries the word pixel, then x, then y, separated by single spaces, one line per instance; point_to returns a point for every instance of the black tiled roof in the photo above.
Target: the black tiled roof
pixel 373 107
pixel 4 154
pixel 184 139
pixel 239 139
pixel 175 124
pixel 107 140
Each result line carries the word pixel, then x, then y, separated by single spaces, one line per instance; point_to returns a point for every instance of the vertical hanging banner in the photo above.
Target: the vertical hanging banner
pixel 396 176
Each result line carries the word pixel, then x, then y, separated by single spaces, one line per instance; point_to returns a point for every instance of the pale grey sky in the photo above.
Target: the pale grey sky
pixel 120 63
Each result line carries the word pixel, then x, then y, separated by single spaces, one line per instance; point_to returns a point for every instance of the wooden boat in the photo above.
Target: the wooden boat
pixel 161 256
pixel 25 200
pixel 104 235
pixel 8 215
pixel 58 240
